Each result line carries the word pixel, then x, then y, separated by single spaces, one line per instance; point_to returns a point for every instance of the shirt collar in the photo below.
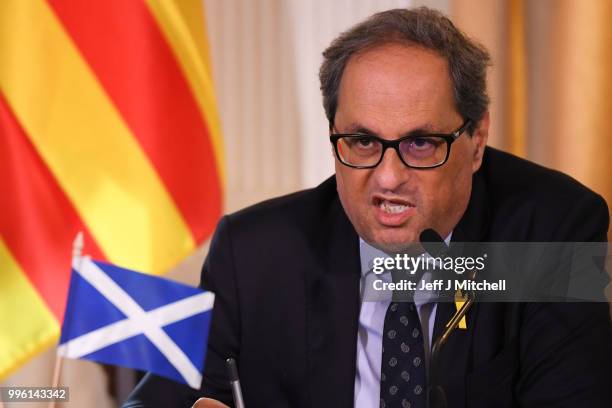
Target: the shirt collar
pixel 367 253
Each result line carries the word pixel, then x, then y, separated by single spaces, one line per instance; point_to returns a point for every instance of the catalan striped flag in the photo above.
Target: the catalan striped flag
pixel 107 125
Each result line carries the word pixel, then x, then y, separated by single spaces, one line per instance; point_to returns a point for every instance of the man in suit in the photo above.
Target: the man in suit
pixel 405 96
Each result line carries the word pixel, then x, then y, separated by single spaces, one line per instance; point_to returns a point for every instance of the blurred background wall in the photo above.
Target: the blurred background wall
pixel 551 82
pixel 550 85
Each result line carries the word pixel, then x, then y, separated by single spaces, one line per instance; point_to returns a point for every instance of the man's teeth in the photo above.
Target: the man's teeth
pixel 392 208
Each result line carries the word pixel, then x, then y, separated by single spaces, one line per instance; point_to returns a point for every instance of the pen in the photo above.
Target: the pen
pixel 235 382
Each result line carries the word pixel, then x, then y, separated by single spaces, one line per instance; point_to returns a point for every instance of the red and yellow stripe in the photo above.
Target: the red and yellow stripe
pixel 107 125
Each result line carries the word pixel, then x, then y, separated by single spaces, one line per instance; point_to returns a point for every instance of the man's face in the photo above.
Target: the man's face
pixel 392 90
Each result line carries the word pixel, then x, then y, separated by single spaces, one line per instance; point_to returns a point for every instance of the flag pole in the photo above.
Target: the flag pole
pixel 57 372
pixel 77 250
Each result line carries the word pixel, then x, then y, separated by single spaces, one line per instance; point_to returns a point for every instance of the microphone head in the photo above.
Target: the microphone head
pixel 232 369
pixel 433 243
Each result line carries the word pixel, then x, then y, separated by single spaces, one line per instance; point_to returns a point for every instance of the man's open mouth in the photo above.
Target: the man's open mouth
pixel 392 205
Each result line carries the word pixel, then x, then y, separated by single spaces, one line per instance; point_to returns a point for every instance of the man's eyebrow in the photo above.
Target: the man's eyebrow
pixel 362 129
pixel 356 128
pixel 424 129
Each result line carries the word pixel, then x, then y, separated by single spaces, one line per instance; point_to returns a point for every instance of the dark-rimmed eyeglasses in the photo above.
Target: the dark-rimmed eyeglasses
pixel 366 151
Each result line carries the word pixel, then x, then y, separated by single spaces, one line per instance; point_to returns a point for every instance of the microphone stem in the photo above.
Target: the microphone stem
pixel 440 401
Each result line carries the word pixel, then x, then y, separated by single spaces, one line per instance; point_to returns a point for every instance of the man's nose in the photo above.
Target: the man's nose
pixel 391 172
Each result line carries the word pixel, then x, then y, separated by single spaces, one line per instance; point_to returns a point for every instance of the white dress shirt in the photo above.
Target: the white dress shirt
pixel 371 324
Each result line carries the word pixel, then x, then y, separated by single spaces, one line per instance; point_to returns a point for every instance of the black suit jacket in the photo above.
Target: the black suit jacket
pixel 286 276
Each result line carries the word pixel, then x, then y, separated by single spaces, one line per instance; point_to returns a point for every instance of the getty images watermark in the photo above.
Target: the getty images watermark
pixel 494 272
pixel 34 394
pixel 417 265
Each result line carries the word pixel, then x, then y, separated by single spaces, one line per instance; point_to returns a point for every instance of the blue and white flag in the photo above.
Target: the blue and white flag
pixel 126 318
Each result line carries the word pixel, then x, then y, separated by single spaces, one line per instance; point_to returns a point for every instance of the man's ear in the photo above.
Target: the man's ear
pixel 479 141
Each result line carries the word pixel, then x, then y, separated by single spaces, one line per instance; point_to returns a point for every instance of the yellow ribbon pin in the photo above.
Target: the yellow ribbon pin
pixel 459 301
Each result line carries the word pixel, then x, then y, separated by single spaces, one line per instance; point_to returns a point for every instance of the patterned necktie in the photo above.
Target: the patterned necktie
pixel 403 381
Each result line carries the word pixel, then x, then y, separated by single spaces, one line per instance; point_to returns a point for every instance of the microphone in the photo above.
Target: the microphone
pixel 435 246
pixel 433 243
pixel 234 382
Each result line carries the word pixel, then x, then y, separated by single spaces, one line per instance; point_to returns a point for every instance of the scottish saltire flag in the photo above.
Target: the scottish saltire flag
pixel 121 317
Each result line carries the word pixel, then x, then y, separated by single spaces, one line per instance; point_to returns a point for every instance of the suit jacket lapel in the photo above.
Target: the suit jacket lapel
pixel 453 360
pixel 333 311
pixel 473 226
